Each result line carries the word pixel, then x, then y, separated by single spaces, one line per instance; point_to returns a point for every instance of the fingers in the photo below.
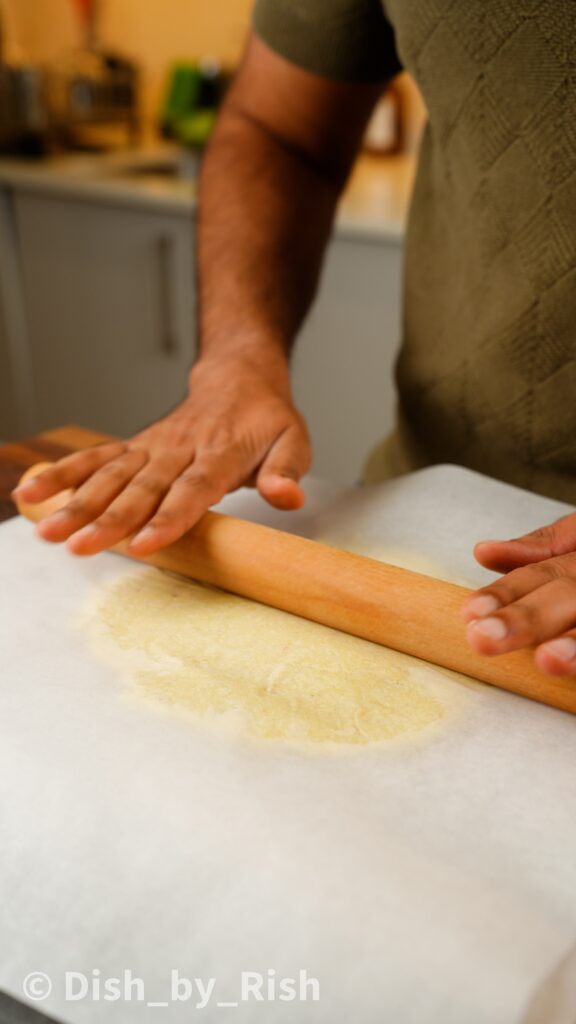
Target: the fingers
pixel 515 585
pixel 204 484
pixel 156 487
pixel 92 498
pixel 542 615
pixel 534 606
pixel 110 521
pixel 287 461
pixel 206 481
pixel 69 472
pixel 557 539
pixel 558 657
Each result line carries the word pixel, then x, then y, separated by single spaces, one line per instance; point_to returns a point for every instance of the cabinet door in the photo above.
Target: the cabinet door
pixel 16 396
pixel 8 411
pixel 109 296
pixel 343 366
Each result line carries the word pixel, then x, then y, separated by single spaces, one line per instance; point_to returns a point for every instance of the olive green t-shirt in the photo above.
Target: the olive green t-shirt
pixel 487 368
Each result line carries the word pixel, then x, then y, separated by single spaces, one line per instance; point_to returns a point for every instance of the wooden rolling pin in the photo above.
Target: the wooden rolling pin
pixel 394 607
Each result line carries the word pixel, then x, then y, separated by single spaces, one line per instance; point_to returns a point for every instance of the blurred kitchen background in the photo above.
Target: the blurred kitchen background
pixel 105 109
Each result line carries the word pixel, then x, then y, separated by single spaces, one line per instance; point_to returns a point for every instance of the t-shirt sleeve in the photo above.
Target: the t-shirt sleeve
pixel 347 40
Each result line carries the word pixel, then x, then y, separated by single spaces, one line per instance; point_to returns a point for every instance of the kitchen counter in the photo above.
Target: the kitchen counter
pixel 374 204
pixel 430 878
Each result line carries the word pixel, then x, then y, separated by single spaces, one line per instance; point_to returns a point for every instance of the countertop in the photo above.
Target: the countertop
pixel 430 878
pixel 374 205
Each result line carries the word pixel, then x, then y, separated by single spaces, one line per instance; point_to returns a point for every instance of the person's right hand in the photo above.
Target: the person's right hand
pixel 238 426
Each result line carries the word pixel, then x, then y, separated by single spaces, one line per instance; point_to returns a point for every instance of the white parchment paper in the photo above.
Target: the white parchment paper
pixel 431 882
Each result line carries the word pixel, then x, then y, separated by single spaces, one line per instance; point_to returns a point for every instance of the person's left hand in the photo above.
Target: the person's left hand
pixel 534 604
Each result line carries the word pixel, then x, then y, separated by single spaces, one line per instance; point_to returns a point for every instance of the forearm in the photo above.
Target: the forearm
pixel 265 215
pixel 281 153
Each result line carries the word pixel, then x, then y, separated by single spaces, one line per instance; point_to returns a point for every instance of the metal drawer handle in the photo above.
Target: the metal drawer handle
pixel 169 340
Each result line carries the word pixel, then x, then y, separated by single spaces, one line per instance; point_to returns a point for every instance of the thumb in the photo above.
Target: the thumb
pixel 287 461
pixel 558 538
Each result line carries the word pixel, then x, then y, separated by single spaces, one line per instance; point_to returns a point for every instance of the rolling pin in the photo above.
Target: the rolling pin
pixel 395 607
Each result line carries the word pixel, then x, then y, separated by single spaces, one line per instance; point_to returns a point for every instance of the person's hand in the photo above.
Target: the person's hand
pixel 238 426
pixel 534 604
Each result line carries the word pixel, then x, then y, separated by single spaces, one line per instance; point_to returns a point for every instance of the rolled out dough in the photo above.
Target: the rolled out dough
pixel 261 672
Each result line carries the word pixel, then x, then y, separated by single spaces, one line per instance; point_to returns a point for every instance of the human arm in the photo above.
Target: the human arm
pixel 282 150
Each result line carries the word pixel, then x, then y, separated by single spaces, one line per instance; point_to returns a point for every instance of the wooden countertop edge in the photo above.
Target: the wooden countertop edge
pixel 49 445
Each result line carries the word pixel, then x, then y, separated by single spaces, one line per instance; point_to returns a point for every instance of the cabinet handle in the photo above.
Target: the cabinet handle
pixel 169 340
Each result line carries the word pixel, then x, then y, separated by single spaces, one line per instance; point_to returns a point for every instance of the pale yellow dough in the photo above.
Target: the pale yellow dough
pixel 261 672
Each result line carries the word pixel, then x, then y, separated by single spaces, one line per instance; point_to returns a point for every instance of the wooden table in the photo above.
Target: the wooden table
pixel 48 446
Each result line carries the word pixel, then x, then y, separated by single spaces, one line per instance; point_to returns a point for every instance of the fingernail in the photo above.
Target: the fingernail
pixel 483 605
pixel 146 534
pixel 494 629
pixel 62 516
pixel 564 648
pixel 86 533
pixel 23 486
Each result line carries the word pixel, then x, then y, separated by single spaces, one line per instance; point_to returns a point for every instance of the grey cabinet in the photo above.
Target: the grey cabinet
pixel 109 299
pixel 343 365
pixel 17 403
pixel 8 410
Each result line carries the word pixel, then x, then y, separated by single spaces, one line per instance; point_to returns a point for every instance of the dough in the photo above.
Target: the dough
pixel 259 671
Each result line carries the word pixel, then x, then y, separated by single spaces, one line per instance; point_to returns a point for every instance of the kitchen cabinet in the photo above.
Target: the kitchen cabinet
pixel 17 404
pixel 344 359
pixel 109 296
pixel 8 411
